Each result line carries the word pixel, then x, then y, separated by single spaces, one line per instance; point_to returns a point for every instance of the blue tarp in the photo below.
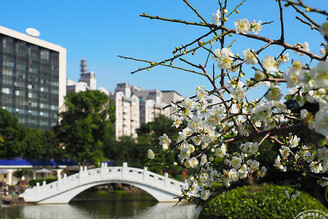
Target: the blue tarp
pixel 37 162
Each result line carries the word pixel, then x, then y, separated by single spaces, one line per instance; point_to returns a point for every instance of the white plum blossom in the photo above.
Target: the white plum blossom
pixel 205 194
pixel 284 151
pixel 320 75
pixel 274 93
pixel 250 147
pixel 283 58
pixel 256 27
pixel 308 156
pixel 184 154
pixel 196 124
pixel 292 76
pixel 165 141
pixel 250 57
pixel 305 46
pixel 323 154
pixel 201 93
pixel 224 58
pixel 259 75
pixel 315 167
pixel 324 29
pixel 185 134
pixel 238 92
pixel 217 17
pixel 321 122
pixel 177 121
pixel 253 165
pixel 188 103
pixel 150 154
pixel 235 162
pixel 269 64
pixel 294 141
pixel 242 26
pixel 323 51
pixel 203 159
pixel 221 151
pixel 191 162
pixel 277 163
pixel 243 171
pixel 233 175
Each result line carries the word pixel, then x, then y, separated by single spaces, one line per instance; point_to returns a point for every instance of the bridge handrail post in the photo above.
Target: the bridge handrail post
pixel 37 189
pixel 166 179
pixel 124 167
pixel 102 169
pixel 80 175
pixel 145 174
pixel 58 182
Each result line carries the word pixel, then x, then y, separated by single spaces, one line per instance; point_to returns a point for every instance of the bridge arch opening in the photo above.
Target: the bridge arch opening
pixel 114 191
pixel 158 195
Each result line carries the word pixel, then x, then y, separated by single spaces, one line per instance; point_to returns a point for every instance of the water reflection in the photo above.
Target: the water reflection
pixel 102 209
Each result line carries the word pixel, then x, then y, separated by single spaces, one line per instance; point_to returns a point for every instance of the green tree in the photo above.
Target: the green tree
pixel 126 150
pixel 19 141
pixel 148 138
pixel 86 125
pixel 40 144
pixel 11 135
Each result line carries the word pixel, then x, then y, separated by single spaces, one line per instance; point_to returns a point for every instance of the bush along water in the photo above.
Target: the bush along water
pixel 262 201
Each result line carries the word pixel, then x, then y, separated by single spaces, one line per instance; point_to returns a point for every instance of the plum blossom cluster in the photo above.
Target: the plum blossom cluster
pixel 243 26
pixel 221 141
pixel 201 146
pixel 293 154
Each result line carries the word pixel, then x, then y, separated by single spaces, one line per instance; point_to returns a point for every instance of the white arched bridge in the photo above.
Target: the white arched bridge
pixel 65 189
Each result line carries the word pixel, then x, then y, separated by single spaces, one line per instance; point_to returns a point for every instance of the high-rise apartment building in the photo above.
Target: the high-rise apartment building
pixel 135 106
pixel 127 110
pixel 32 78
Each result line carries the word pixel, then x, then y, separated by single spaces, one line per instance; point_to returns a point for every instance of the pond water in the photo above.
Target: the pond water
pixel 104 205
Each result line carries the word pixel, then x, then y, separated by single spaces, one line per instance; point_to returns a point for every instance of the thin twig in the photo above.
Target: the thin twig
pixel 304 15
pixel 282 37
pixel 308 8
pixel 201 17
pixel 307 23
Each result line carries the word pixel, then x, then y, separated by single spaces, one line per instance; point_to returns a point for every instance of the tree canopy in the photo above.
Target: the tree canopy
pixel 86 125
pixel 19 141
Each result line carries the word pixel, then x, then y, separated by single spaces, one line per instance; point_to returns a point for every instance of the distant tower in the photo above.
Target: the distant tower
pixel 83 67
pixel 88 77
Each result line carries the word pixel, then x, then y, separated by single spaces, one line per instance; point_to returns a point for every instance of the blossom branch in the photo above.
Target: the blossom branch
pixel 307 8
pixel 252 36
pixel 304 15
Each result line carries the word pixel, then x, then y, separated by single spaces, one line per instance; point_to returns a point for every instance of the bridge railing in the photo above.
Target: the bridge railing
pixel 105 173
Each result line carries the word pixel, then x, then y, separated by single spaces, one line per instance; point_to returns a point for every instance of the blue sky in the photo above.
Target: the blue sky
pixel 100 30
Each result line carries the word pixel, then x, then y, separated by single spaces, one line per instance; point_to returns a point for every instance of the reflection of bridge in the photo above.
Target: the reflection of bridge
pixel 64 189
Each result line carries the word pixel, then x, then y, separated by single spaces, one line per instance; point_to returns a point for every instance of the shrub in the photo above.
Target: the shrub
pixel 263 201
pixel 33 182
